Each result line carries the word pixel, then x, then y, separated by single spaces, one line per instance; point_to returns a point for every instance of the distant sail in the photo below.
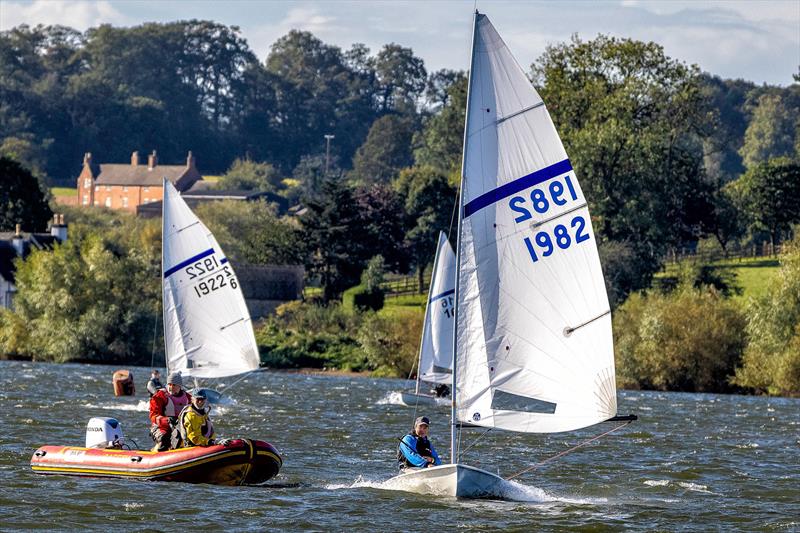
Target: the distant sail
pixel 207 327
pixel 436 352
pixel 534 345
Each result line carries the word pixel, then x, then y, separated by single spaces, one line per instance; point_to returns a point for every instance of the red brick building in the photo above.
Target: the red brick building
pixel 120 186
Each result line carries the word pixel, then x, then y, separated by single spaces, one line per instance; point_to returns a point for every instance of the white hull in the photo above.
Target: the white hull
pixel 458 481
pixel 411 399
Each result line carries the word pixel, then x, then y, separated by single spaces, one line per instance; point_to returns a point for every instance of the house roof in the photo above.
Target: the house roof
pixel 7 256
pixel 39 241
pixel 139 175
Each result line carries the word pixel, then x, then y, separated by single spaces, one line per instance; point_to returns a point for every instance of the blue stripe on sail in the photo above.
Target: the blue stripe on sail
pixel 445 293
pixel 171 271
pixel 223 261
pixel 504 191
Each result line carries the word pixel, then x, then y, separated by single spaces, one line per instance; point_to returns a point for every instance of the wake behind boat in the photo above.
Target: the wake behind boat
pixel 532 346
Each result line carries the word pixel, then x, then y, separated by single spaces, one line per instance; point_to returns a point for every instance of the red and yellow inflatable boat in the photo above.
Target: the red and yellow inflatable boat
pixel 239 462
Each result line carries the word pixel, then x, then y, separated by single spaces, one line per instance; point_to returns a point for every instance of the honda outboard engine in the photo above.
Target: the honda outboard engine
pixel 102 432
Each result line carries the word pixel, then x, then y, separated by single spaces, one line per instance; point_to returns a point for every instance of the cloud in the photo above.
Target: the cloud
pixel 81 15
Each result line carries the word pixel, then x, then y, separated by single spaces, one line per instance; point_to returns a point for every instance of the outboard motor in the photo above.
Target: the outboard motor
pixel 103 432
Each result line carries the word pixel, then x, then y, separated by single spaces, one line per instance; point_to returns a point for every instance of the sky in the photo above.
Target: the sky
pixel 755 40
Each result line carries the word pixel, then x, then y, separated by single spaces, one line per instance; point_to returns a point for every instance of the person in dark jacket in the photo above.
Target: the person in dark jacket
pixel 415 450
pixel 155 382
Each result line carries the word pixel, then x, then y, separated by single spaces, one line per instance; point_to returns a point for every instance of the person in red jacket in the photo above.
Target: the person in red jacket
pixel 165 406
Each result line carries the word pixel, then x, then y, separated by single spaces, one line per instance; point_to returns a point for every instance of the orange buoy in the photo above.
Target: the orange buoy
pixel 123 383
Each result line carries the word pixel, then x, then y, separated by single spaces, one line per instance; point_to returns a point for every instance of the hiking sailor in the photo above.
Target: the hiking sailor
pixel 415 450
pixel 165 406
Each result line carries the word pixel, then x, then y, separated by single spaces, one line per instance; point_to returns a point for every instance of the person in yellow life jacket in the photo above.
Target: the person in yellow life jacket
pixel 194 427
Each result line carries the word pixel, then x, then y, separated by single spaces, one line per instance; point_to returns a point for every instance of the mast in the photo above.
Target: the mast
pixel 453 421
pixel 163 236
pixel 427 311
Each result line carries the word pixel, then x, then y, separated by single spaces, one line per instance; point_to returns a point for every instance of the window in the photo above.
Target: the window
pixel 125 201
pixel 147 189
pixel 85 199
pixel 146 200
pixel 108 201
pixel 96 187
pixel 108 187
pixel 87 182
pixel 125 188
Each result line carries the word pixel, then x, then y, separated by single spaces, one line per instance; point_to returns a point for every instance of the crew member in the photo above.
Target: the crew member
pixel 415 450
pixel 194 427
pixel 154 384
pixel 165 406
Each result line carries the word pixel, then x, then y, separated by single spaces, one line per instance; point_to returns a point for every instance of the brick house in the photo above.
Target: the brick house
pixel 121 186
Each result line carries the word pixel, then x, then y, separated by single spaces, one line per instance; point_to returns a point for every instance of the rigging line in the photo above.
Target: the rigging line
pixel 453 215
pixel 565 452
pixel 246 374
pixel 465 450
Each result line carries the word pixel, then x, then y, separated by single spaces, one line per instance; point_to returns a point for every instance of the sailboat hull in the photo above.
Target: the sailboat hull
pixel 454 480
pixel 411 399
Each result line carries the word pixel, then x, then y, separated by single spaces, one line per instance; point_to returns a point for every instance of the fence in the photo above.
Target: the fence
pixel 708 256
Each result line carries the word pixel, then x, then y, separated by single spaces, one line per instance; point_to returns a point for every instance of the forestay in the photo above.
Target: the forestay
pixel 207 328
pixel 436 351
pixel 534 345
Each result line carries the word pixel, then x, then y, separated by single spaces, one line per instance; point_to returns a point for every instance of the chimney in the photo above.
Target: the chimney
pixel 152 161
pixel 190 160
pixel 18 242
pixel 58 229
pixel 87 158
pixel 135 159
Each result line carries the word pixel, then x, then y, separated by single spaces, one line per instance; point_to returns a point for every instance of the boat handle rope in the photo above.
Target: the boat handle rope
pixel 565 452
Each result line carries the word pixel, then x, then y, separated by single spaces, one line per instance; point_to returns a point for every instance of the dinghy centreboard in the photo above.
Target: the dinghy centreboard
pixel 436 343
pixel 533 346
pixel 207 328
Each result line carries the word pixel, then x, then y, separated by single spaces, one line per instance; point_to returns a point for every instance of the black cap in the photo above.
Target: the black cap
pixel 200 394
pixel 422 420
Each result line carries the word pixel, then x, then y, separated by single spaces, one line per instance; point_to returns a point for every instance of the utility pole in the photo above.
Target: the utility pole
pixel 328 138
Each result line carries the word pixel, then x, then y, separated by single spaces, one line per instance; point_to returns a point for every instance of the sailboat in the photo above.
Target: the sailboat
pixel 533 349
pixel 436 342
pixel 207 328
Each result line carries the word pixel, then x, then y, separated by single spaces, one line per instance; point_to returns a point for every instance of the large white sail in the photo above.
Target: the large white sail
pixel 207 328
pixel 533 343
pixel 436 350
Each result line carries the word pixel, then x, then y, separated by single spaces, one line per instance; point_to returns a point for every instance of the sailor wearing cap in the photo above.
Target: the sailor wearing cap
pixel 194 427
pixel 415 450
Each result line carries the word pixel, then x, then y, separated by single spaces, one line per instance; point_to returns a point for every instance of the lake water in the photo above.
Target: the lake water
pixel 694 462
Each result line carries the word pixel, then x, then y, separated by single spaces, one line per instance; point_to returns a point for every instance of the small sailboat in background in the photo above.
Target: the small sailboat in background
pixel 436 344
pixel 533 347
pixel 208 332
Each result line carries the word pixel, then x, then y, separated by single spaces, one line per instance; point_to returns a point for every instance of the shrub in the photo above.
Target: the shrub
pixel 391 341
pixel 771 362
pixel 688 340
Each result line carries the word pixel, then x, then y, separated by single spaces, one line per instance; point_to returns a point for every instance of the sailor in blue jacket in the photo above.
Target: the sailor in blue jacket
pixel 415 450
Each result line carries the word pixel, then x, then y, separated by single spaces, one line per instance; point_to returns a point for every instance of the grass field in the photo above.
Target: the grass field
pixel 63 191
pixel 753 274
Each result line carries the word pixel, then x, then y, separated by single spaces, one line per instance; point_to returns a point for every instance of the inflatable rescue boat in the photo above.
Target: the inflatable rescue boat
pixel 238 462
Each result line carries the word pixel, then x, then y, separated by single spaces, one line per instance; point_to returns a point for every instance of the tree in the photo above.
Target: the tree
pixel 21 198
pixel 248 175
pixel 385 152
pixel 251 232
pixel 401 78
pixel 441 141
pixel 429 203
pixel 632 121
pixel 771 132
pixel 771 196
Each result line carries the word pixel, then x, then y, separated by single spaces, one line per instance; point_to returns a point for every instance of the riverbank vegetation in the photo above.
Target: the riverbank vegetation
pixel 675 164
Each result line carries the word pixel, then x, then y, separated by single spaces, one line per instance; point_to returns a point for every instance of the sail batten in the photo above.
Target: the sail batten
pixel 528 267
pixel 207 331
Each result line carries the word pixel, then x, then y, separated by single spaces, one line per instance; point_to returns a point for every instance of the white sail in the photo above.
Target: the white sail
pixel 533 343
pixel 436 351
pixel 207 328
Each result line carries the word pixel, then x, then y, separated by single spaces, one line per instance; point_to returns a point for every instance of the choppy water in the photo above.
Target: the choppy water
pixel 694 462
